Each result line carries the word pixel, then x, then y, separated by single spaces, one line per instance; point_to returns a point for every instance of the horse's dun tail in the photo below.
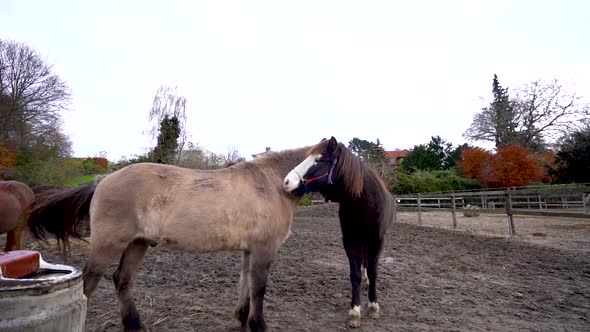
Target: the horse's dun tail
pixel 59 211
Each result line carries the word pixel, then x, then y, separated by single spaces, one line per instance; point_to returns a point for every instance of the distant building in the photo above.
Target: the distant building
pixel 261 153
pixel 394 158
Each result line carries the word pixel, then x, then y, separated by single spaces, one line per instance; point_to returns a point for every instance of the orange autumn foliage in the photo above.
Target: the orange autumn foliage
pixel 100 162
pixel 475 164
pixel 7 157
pixel 511 166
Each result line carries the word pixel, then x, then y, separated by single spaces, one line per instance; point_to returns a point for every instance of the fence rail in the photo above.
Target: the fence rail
pixel 572 202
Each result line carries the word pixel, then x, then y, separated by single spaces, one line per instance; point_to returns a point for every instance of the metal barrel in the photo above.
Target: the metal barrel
pixel 50 300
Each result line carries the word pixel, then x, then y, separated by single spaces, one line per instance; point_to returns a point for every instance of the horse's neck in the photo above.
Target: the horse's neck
pixel 339 192
pixel 286 161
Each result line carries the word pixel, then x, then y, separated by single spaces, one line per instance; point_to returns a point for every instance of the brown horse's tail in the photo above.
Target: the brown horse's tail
pixel 60 211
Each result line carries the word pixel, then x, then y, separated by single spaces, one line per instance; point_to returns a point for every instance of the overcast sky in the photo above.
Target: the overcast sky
pixel 285 74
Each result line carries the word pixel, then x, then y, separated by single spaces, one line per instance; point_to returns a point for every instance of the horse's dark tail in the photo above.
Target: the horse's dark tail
pixel 61 211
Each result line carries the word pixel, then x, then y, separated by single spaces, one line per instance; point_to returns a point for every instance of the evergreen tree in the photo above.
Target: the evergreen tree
pixel 360 147
pixel 376 153
pixel 170 108
pixel 573 158
pixel 167 143
pixel 438 154
pixel 504 113
pixel 498 122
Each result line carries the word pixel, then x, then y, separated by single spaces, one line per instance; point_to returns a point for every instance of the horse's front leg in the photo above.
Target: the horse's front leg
pixel 260 260
pixel 243 307
pixel 354 254
pixel 373 262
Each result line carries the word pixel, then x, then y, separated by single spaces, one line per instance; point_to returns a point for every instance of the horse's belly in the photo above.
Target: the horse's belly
pixel 203 241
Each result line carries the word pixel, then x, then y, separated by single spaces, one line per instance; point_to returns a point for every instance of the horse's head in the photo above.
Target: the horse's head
pixel 317 171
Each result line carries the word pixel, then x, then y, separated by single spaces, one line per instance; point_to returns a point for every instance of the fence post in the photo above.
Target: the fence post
pixel 419 211
pixel 586 203
pixel 454 210
pixel 540 203
pixel 508 196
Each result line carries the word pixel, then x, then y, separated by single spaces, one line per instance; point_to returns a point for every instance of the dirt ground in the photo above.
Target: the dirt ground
pixel 559 233
pixel 431 279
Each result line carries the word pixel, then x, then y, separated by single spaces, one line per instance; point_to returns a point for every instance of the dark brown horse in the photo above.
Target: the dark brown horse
pixel 15 200
pixel 242 207
pixel 366 209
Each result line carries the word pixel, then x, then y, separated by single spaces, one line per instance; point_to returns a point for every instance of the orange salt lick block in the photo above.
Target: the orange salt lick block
pixel 19 263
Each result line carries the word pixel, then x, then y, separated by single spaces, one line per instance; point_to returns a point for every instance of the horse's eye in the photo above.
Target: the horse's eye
pixel 318 159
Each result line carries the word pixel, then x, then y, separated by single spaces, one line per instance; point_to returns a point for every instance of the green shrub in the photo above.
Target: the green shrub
pixel 50 172
pixel 305 200
pixel 124 161
pixel 431 181
pixel 78 180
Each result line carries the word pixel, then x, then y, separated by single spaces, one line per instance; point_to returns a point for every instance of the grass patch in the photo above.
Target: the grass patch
pixel 79 180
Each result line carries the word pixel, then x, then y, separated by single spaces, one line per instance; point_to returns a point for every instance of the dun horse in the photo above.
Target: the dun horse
pixel 242 207
pixel 15 200
pixel 366 209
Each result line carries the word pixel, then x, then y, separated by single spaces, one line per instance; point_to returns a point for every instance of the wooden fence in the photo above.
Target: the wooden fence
pixel 563 201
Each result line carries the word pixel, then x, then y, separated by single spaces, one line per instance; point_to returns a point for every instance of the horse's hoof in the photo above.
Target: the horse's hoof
pixel 134 326
pixel 241 314
pixel 355 316
pixel 257 326
pixel 354 323
pixel 374 310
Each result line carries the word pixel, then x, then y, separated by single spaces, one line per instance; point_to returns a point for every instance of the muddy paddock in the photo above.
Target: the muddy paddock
pixel 430 279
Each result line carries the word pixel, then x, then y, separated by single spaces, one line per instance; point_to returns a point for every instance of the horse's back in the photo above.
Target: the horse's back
pixel 194 210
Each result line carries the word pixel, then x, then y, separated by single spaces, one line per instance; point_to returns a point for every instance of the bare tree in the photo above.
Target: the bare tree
pixel 198 158
pixel 539 112
pixel 547 110
pixel 31 96
pixel 167 104
pixel 232 157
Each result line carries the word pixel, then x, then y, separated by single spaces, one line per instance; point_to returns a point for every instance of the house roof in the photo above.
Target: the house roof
pixel 397 153
pixel 256 155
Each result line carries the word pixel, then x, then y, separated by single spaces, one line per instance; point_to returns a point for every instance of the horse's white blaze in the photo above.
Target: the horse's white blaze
pixel 291 181
pixel 355 312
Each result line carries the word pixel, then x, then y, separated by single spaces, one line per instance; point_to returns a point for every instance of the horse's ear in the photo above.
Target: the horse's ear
pixel 323 139
pixel 332 145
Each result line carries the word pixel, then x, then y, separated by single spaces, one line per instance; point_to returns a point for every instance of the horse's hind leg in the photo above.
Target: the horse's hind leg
pixel 103 253
pixel 124 278
pixel 243 308
pixel 260 261
pixel 364 274
pixel 15 238
pixel 373 263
